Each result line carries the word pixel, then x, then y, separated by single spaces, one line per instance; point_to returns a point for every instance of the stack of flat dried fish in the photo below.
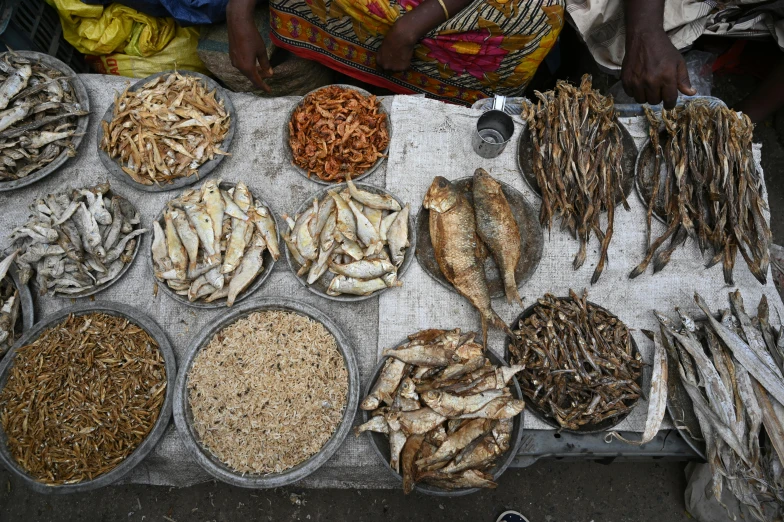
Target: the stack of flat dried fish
pixel 359 236
pixel 460 232
pixel 338 132
pixel 214 242
pixel 580 366
pixel 448 411
pixel 577 162
pixel 732 369
pixel 705 184
pixel 39 114
pixel 166 130
pixel 9 305
pixel 74 243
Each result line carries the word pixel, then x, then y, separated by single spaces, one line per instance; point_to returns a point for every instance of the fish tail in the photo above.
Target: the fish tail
pixel 512 294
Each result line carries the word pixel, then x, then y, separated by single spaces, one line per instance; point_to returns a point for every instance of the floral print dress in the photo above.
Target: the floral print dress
pixel 490 47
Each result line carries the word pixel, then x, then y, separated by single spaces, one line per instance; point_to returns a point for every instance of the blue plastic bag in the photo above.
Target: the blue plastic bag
pixel 185 12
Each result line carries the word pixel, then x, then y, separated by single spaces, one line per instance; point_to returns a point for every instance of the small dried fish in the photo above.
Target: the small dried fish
pixel 10 304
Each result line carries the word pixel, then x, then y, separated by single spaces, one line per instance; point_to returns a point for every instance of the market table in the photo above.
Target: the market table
pixel 429 138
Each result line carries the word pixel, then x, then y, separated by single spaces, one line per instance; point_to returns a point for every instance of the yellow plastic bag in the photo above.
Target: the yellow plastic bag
pixel 120 40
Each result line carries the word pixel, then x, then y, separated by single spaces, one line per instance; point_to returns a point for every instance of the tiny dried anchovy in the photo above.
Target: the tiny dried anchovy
pixel 708 189
pixel 82 397
pixel 577 162
pixel 39 112
pixel 166 130
pixel 580 366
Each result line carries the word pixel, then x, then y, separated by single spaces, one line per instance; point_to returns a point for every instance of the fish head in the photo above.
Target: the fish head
pixel 441 196
pixel 370 403
pixel 486 182
pixel 432 397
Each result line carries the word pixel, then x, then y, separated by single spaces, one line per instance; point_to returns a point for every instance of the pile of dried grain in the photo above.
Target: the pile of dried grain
pixel 268 391
pixel 82 397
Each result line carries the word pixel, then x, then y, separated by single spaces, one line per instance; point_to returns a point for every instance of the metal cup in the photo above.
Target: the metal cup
pixel 493 130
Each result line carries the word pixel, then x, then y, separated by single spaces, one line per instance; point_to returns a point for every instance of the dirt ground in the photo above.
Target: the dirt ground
pixel 549 491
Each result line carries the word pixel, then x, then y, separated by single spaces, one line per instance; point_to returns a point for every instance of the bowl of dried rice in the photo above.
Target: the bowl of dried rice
pixel 267 393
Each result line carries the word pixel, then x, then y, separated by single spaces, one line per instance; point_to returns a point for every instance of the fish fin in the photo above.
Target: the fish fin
pixel 512 294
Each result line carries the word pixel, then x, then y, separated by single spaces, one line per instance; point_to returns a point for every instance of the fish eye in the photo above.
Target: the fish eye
pixel 442 183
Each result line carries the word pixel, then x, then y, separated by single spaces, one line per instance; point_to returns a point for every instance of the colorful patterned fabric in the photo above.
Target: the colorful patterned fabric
pixel 490 47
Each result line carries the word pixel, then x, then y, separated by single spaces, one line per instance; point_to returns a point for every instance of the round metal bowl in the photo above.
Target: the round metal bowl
pixel 147 445
pixel 267 263
pixel 541 414
pixel 81 124
pixel 380 441
pixel 525 156
pixel 26 318
pixel 320 287
pixel 183 416
pixel 531 241
pixel 113 166
pixel 287 137
pixel 92 291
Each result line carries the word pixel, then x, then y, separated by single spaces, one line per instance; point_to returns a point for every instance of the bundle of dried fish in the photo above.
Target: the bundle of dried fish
pixel 74 243
pixel 338 132
pixel 359 236
pixel 731 368
pixel 455 230
pixel 166 129
pixel 705 185
pixel 581 368
pixel 97 383
pixel 39 113
pixel 10 305
pixel 577 162
pixel 448 411
pixel 210 242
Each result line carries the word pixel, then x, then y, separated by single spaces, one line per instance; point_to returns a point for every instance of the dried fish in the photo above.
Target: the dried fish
pixel 73 244
pixel 215 243
pixel 580 365
pixel 10 305
pixel 577 151
pixel 705 185
pixel 40 116
pixel 429 441
pixel 166 130
pixel 338 132
pixel 98 382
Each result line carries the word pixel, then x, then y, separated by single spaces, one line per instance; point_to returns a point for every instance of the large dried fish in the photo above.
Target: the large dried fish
pixel 577 152
pixel 38 123
pixel 166 130
pixel 451 434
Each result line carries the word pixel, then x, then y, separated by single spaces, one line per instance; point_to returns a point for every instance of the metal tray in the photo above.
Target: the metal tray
pixel 183 416
pixel 87 293
pixel 81 125
pixel 316 179
pixel 267 263
pixel 320 287
pixel 541 414
pixel 531 236
pixel 380 442
pixel 525 162
pixel 204 170
pixel 147 445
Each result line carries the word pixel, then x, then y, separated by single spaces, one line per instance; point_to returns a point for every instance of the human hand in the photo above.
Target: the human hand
pixel 396 49
pixel 653 70
pixel 247 49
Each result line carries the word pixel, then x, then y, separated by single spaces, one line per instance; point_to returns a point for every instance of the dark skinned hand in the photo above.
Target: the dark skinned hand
pixel 247 49
pixel 653 70
pixel 396 49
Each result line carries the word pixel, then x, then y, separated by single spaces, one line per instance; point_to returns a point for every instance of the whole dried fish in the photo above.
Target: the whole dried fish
pixel 577 151
pixel 166 130
pixel 580 365
pixel 10 304
pixel 40 116
pixel 338 132
pixel 73 244
pixel 214 242
pixel 447 438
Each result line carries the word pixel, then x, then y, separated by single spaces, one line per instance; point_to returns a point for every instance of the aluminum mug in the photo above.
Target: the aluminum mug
pixel 493 130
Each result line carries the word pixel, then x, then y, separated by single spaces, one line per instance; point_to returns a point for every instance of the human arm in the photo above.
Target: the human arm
pixel 653 70
pixel 247 50
pixel 397 49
